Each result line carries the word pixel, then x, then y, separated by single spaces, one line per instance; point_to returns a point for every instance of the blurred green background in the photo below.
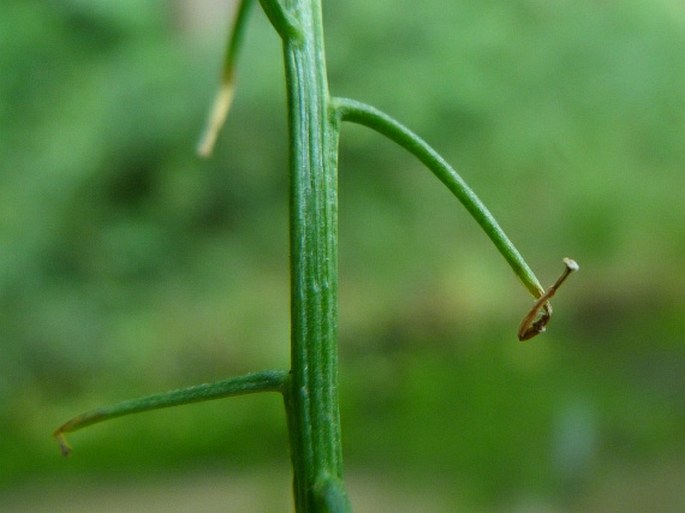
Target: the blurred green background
pixel 129 266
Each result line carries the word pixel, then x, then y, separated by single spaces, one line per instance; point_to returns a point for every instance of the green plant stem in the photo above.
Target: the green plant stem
pixel 357 112
pixel 236 35
pixel 312 397
pixel 310 388
pixel 224 96
pixel 264 381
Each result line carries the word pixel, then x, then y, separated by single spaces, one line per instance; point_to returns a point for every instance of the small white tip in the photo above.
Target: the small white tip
pixel 571 264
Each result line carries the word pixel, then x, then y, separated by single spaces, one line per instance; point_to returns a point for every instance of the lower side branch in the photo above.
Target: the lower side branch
pixel 264 381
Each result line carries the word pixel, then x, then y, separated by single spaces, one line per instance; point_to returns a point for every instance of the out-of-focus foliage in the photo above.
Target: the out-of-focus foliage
pixel 128 266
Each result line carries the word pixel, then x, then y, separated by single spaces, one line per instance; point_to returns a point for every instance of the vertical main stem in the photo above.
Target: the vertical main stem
pixel 312 397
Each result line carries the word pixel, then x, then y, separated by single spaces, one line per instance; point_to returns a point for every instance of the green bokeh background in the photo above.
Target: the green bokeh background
pixel 129 266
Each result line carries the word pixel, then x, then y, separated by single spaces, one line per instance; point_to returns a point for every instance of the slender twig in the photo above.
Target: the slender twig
pixel 357 112
pixel 265 381
pixel 224 96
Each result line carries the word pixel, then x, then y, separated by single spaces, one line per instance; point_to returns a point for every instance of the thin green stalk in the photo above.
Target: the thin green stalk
pixel 357 112
pixel 224 96
pixel 264 381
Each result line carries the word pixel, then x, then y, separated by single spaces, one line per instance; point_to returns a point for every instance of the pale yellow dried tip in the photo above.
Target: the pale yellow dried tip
pixel 64 446
pixel 217 118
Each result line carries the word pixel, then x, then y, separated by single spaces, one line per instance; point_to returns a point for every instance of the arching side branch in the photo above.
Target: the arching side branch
pixel 535 321
pixel 357 112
